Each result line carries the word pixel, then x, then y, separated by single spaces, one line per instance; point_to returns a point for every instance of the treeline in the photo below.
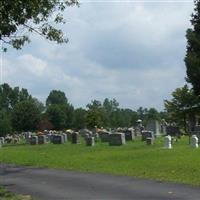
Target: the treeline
pixel 20 111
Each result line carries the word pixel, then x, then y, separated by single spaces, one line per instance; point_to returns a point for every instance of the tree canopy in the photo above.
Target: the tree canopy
pixel 20 17
pixel 192 58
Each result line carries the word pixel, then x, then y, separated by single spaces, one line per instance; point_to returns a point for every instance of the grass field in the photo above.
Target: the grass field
pixel 180 164
pixel 5 195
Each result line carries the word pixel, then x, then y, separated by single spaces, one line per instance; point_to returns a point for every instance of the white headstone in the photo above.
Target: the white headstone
pixel 194 141
pixel 168 142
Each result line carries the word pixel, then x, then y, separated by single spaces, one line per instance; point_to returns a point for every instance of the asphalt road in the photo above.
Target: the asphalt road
pixel 46 184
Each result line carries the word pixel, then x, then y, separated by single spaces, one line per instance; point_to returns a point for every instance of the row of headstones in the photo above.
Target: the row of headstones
pixel 54 138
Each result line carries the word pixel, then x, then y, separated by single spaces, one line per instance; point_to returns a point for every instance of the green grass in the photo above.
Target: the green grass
pixel 5 195
pixel 180 164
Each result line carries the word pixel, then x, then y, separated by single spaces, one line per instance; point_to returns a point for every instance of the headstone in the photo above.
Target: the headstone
pixel 167 142
pixel 129 135
pixel 58 139
pixel 64 137
pixel 42 139
pixel 48 137
pixel 194 141
pixel 69 135
pixel 90 141
pixel 75 138
pixel 154 126
pixel 51 138
pixel 104 136
pixel 2 139
pixel 116 139
pixel 149 141
pixel 33 140
pixel 147 134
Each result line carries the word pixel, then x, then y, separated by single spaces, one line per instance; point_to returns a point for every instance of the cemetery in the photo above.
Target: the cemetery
pixel 148 153
pixel 88 142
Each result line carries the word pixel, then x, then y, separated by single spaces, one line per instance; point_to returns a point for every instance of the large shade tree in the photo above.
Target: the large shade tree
pixel 192 58
pixel 20 17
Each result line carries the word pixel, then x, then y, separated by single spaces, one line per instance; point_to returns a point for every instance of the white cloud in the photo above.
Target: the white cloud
pixel 132 52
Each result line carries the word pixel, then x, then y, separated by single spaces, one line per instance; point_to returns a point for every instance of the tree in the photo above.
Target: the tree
pixel 177 108
pixel 20 17
pixel 9 97
pixel 109 107
pixel 25 116
pixel 79 120
pixel 192 58
pixel 59 110
pixel 56 97
pixel 153 114
pixel 5 123
pixel 56 115
pixel 96 115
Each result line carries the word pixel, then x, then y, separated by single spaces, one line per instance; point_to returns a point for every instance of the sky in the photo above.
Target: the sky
pixel 132 51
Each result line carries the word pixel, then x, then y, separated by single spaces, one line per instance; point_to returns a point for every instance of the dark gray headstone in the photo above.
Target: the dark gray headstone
pixel 42 139
pixel 129 135
pixel 149 141
pixel 147 134
pixel 104 136
pixel 33 140
pixel 173 130
pixel 69 136
pixel 116 139
pixel 75 138
pixel 90 141
pixel 58 139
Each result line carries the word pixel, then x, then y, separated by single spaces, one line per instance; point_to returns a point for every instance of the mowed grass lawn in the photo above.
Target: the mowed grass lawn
pixel 6 195
pixel 180 164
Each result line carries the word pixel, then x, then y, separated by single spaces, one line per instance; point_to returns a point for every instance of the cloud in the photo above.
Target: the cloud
pixel 129 51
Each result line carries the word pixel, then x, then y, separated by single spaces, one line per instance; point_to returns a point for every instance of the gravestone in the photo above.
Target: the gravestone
pixel 129 135
pixel 48 137
pixel 154 126
pixel 90 141
pixel 149 141
pixel 147 134
pixel 33 140
pixel 42 139
pixel 2 139
pixel 104 136
pixel 117 139
pixel 58 139
pixel 194 141
pixel 75 138
pixel 69 135
pixel 167 142
pixel 64 137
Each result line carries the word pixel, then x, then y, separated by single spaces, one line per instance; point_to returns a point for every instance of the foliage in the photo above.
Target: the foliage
pixel 79 120
pixel 56 97
pixel 6 195
pixel 192 58
pixel 25 116
pixel 5 123
pixel 96 115
pixel 59 110
pixel 10 97
pixel 56 116
pixel 20 17
pixel 182 99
